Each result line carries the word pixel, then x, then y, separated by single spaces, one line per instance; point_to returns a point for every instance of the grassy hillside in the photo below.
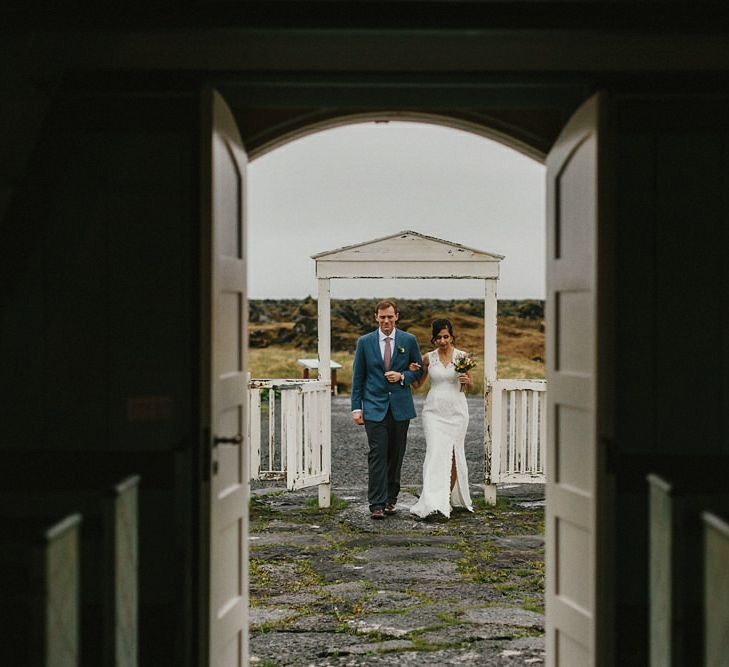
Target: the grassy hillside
pixel 282 331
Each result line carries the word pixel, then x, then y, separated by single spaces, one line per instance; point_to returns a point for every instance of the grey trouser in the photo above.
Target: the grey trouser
pixel 387 440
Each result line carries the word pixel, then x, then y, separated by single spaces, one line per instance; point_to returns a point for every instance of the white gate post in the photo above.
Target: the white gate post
pixel 324 336
pixel 489 377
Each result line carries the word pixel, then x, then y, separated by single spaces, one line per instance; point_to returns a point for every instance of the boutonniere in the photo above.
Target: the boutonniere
pixel 401 349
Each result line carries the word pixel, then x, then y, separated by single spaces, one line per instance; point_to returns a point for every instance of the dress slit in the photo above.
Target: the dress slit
pixel 445 420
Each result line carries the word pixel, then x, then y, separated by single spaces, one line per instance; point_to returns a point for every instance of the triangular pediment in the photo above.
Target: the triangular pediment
pixel 407 255
pixel 407 246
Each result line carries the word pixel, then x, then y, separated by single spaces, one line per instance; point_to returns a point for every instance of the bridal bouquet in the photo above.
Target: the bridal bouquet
pixel 462 364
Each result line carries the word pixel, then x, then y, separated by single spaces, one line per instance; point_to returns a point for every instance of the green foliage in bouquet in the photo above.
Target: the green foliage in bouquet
pixel 463 363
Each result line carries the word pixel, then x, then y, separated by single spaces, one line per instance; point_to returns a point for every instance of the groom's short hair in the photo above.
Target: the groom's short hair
pixel 384 305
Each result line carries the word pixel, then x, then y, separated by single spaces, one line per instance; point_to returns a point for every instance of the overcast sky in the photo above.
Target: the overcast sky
pixel 360 182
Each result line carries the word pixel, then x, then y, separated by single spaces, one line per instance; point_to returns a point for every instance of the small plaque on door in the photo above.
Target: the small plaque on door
pixel 150 409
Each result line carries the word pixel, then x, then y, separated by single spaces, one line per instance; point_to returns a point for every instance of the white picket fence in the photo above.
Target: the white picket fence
pixel 518 450
pixel 290 438
pixel 290 433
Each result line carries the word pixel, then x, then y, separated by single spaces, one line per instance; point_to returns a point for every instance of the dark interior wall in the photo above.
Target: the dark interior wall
pixel 98 333
pixel 672 211
pixel 673 214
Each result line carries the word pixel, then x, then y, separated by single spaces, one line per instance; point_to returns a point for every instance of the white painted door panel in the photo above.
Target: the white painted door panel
pixel 577 609
pixel 227 465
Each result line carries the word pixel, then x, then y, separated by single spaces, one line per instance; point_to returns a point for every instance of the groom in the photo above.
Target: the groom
pixel 383 402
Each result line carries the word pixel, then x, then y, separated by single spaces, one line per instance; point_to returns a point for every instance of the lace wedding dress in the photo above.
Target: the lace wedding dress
pixel 445 419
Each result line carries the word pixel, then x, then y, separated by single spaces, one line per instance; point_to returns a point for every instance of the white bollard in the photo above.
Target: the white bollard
pixel 325 495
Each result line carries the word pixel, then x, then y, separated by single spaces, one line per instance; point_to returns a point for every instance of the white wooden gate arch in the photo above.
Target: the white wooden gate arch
pixel 513 412
pixel 299 448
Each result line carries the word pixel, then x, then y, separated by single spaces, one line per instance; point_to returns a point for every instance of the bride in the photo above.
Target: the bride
pixel 445 419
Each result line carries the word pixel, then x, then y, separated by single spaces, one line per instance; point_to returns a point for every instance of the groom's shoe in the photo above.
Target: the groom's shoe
pixel 378 513
pixel 390 509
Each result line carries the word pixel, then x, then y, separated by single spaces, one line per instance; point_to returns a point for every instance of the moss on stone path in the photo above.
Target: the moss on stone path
pixel 333 587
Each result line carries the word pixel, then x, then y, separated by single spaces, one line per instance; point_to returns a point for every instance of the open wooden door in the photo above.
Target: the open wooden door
pixel 578 361
pixel 224 317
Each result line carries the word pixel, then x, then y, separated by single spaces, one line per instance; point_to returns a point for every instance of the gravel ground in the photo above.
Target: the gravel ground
pixel 349 447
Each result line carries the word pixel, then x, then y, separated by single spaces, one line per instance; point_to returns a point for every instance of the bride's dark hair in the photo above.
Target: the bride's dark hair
pixel 438 325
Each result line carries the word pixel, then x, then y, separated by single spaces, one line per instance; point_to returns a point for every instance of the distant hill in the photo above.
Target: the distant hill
pixel 293 323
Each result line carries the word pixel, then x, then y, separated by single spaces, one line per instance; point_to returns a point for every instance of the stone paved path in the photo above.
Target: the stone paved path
pixel 333 587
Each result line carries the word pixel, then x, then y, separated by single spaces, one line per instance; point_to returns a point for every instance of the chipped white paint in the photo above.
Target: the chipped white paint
pixel 519 432
pixel 299 440
pixel 489 377
pixel 324 346
pixel 407 254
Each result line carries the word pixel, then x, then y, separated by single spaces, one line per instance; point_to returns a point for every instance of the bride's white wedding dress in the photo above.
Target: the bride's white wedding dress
pixel 445 419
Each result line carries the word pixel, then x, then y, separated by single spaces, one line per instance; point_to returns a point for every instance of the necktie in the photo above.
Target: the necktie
pixel 388 353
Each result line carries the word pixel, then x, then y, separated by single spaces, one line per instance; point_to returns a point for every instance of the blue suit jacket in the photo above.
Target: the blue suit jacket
pixel 371 392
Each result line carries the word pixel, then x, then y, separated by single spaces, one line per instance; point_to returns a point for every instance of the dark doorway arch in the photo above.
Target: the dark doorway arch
pixel 524 114
pixel 488 131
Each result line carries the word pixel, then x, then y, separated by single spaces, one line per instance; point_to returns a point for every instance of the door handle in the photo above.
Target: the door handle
pixel 229 440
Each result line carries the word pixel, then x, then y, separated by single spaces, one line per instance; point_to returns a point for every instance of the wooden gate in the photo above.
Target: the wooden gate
pixel 290 431
pixel 518 431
